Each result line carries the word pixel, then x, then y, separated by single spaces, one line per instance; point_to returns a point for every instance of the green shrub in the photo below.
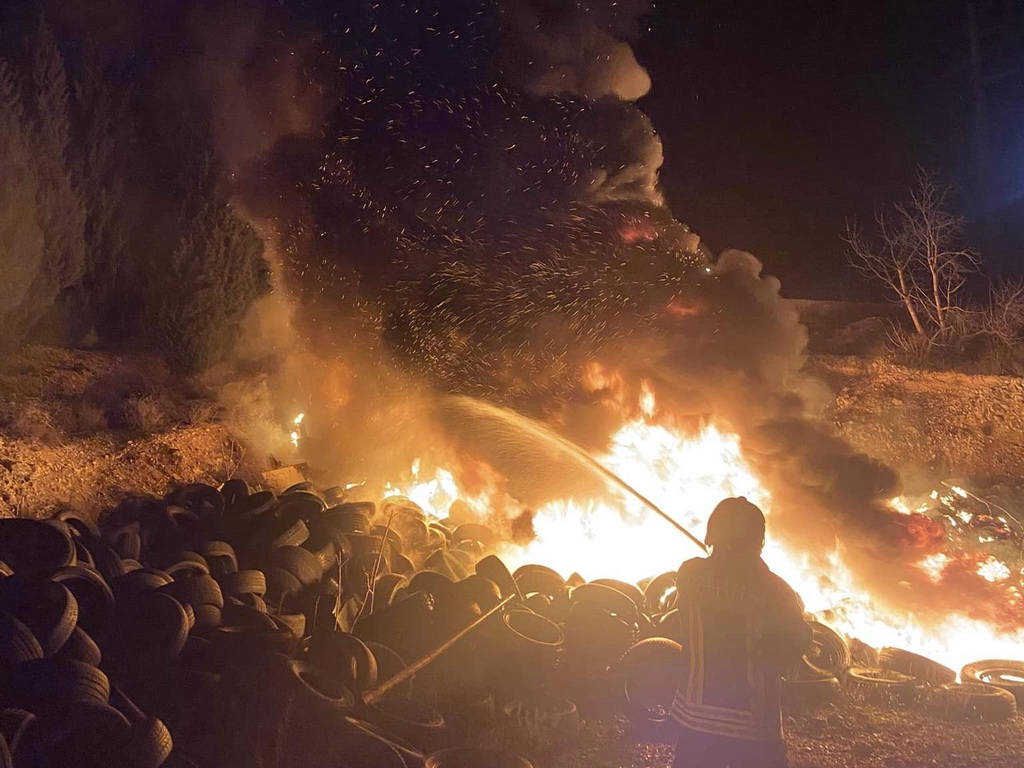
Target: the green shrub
pixel 200 295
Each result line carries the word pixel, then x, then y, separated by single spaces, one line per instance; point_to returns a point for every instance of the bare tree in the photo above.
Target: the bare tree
pixel 915 254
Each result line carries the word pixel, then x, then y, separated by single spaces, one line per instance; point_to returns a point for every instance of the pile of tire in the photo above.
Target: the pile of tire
pixel 239 626
pixel 213 620
pixel 61 629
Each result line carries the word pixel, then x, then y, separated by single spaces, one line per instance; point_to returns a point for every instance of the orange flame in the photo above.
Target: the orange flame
pixel 687 476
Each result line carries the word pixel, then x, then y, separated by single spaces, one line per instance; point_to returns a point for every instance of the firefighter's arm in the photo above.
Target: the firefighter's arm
pixel 787 635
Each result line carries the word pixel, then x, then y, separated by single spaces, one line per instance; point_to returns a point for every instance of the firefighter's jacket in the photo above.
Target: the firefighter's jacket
pixel 743 626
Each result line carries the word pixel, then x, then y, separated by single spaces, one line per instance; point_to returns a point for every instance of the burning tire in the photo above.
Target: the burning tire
pixel 863 654
pixel 917 666
pixel 829 654
pixel 1000 673
pixel 880 686
pixel 971 701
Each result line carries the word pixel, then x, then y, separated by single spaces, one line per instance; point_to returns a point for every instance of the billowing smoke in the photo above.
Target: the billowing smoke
pixel 461 196
pixel 576 50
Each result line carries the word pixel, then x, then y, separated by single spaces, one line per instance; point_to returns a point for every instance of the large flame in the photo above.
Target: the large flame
pixel 687 476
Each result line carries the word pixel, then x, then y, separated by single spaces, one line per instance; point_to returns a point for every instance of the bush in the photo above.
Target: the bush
pixel 199 298
pixel 21 238
pixel 910 348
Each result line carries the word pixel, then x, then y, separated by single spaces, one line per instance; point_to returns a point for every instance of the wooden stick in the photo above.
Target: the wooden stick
pixel 372 695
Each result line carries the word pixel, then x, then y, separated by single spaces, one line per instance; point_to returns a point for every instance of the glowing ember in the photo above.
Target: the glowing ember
pixel 295 435
pixel 687 476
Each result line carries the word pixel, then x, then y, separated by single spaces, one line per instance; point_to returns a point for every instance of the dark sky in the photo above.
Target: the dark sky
pixel 780 120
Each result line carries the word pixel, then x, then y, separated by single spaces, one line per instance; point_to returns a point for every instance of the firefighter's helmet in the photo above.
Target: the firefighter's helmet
pixel 735 522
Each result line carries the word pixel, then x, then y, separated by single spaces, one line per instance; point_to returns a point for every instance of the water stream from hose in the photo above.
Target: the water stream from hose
pixel 511 440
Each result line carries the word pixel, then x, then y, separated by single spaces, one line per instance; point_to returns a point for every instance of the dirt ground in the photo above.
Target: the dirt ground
pixel 928 422
pixel 83 429
pixel 849 735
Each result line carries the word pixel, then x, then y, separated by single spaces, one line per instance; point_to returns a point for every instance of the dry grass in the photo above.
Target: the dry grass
pixel 199 412
pixel 81 417
pixel 33 422
pixel 145 415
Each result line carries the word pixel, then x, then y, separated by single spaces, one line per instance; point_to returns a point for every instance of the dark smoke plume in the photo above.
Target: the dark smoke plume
pixel 461 195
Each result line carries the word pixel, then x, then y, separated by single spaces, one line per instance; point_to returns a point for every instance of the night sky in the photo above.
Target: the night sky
pixel 782 120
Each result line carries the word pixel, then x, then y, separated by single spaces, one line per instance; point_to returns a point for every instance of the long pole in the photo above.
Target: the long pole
pixel 400 747
pixel 598 466
pixel 375 693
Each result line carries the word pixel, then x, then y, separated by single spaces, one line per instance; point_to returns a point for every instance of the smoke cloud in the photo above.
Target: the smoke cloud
pixel 569 49
pixel 461 196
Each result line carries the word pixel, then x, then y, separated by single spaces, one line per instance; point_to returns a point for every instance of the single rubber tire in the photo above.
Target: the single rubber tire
pixel 971 701
pixel 45 684
pixel 1001 673
pixel 917 666
pixel 829 653
pixel 880 686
